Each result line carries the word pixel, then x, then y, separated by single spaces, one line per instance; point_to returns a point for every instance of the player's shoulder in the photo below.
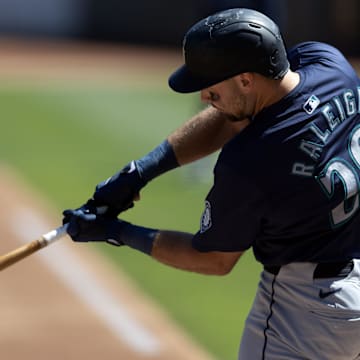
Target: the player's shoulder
pixel 311 52
pixel 313 47
pixel 314 56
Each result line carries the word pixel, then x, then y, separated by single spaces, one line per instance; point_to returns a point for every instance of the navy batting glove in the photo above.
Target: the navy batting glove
pixel 119 191
pixel 84 226
pixel 88 208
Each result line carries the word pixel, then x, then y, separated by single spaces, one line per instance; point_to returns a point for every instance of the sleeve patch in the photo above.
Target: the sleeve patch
pixel 206 218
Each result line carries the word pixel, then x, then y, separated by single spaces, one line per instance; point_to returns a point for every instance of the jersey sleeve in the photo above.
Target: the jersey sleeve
pixel 312 52
pixel 232 214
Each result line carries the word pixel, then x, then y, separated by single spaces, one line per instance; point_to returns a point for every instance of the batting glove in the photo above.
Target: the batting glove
pixel 85 226
pixel 119 191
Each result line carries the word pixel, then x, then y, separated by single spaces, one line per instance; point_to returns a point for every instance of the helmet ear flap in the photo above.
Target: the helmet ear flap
pixel 273 61
pixel 274 57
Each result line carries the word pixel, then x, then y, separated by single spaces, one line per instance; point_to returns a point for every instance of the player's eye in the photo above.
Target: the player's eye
pixel 213 96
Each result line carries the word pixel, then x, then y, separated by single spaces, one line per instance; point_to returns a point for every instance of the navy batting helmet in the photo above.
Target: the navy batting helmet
pixel 228 43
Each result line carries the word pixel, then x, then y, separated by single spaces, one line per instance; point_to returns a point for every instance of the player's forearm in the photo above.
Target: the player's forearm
pixel 172 248
pixel 200 136
pixel 175 249
pixel 203 134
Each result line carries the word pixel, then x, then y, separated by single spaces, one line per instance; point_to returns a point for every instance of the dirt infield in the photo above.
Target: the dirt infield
pixel 66 302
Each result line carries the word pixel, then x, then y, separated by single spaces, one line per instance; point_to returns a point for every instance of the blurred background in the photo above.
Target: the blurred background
pixel 161 23
pixel 83 90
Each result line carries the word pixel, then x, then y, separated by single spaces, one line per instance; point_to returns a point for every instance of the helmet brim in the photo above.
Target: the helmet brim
pixel 184 81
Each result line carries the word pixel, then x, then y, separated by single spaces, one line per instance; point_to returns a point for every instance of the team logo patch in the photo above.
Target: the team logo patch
pixel 206 218
pixel 311 104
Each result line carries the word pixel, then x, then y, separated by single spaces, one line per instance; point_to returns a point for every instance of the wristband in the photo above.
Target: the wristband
pixel 157 162
pixel 137 237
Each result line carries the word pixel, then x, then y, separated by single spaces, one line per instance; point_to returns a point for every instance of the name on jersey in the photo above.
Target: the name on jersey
pixel 334 112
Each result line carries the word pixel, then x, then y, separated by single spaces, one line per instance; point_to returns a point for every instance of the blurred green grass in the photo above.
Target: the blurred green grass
pixel 64 140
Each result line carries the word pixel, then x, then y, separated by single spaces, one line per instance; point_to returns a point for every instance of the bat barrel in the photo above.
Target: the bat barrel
pixel 20 253
pixel 23 251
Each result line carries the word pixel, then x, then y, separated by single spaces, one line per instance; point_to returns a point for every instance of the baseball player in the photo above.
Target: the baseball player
pixel 286 184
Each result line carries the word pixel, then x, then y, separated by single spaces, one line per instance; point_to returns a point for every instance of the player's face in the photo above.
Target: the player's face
pixel 229 98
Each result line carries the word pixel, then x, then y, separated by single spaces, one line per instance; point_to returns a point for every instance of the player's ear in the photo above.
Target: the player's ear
pixel 245 81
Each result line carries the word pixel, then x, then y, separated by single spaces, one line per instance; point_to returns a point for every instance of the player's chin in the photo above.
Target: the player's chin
pixel 231 117
pixel 236 118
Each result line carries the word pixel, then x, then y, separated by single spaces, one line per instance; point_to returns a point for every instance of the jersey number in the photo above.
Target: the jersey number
pixel 347 173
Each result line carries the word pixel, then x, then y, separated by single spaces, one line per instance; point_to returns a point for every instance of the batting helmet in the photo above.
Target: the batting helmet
pixel 228 43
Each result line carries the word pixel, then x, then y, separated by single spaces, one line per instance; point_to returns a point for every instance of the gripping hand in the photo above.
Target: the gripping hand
pixel 84 226
pixel 119 191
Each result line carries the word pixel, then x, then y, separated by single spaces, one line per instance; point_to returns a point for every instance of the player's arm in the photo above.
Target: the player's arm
pixel 175 249
pixel 200 136
pixel 203 134
pixel 172 248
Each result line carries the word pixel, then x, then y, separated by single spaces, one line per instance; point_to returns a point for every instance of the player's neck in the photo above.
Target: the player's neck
pixel 274 90
pixel 289 82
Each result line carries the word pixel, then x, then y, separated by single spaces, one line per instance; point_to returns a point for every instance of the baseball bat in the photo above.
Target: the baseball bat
pixel 22 252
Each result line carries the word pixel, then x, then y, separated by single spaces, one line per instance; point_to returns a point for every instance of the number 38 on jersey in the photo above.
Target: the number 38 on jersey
pixel 345 173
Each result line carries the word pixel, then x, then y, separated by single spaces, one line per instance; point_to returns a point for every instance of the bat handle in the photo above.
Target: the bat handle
pixel 53 235
pixel 20 253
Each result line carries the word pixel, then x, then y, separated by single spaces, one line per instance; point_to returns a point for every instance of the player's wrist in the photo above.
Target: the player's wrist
pixel 157 162
pixel 137 237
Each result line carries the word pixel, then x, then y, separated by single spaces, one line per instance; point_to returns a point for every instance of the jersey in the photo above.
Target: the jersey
pixel 288 184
